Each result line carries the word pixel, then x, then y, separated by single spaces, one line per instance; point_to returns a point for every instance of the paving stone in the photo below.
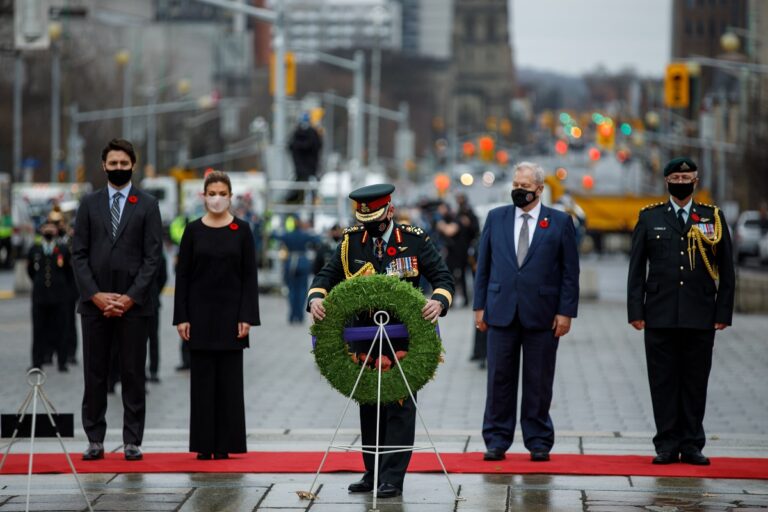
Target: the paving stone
pixel 237 499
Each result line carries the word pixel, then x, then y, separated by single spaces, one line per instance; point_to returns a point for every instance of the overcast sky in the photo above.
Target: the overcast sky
pixel 574 36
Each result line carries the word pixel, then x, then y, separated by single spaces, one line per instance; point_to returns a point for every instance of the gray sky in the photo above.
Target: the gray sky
pixel 574 36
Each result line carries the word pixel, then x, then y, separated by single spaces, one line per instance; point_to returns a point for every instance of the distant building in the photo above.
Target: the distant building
pixel 426 27
pixel 484 81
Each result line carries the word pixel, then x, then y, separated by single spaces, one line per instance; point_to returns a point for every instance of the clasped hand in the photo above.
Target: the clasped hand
pixel 112 305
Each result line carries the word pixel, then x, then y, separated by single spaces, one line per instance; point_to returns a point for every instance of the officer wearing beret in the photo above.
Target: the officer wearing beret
pixel 379 246
pixel 680 290
pixel 49 266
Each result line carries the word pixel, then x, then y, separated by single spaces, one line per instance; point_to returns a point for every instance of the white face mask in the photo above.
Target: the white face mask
pixel 217 204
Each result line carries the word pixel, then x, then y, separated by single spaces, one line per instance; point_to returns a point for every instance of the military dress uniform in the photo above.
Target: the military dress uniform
pixel 681 283
pixel 49 266
pixel 407 253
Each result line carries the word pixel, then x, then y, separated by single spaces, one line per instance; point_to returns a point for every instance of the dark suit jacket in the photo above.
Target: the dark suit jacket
pixel 125 265
pixel 51 275
pixel 546 284
pixel 662 288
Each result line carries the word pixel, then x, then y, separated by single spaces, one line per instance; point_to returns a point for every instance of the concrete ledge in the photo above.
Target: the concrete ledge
pixel 751 291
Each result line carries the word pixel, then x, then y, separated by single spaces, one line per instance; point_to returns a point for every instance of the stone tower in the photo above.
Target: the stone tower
pixel 483 83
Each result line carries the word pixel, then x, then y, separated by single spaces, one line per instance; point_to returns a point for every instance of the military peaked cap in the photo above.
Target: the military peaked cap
pixel 371 201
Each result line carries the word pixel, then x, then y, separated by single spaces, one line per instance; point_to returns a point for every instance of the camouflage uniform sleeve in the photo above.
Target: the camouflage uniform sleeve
pixel 329 276
pixel 436 271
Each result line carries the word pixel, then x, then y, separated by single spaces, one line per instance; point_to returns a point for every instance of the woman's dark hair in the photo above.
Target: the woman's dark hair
pixel 217 177
pixel 119 145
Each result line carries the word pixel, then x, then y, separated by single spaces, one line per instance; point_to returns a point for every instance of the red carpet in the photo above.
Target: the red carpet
pixel 307 462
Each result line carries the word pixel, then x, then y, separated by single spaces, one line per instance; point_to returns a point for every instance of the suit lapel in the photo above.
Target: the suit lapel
pixel 670 215
pixel 128 210
pixel 508 226
pixel 104 205
pixel 538 232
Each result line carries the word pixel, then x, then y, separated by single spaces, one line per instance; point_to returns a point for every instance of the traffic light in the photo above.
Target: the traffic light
pixel 677 93
pixel 290 74
pixel 594 154
pixel 486 145
pixel 606 135
pixel 468 149
pixel 502 157
pixel 561 147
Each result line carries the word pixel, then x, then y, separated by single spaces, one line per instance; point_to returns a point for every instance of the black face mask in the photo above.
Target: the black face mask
pixel 119 177
pixel 522 197
pixel 680 190
pixel 377 228
pixel 48 236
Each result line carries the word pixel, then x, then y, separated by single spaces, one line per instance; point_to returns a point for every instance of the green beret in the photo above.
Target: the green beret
pixel 680 164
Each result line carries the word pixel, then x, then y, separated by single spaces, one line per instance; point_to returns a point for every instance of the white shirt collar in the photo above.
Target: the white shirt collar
pixel 388 232
pixel 125 192
pixel 534 213
pixel 686 208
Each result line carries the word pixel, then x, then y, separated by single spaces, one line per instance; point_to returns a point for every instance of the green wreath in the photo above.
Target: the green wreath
pixel 373 293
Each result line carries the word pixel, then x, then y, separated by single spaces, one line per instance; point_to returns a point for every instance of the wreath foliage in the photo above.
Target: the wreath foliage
pixel 370 294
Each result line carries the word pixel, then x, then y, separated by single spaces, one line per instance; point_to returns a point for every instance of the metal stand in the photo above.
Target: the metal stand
pixel 36 379
pixel 381 318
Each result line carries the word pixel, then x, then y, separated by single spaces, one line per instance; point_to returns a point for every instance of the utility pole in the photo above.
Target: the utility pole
pixel 18 83
pixel 55 108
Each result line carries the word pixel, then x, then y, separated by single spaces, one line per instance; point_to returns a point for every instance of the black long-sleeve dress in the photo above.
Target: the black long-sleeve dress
pixel 216 287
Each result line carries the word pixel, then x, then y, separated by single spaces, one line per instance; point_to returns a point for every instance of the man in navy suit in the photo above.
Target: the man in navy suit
pixel 526 293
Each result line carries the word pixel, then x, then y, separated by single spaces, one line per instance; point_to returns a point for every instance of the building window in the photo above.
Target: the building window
pixel 699 28
pixel 490 31
pixel 469 28
pixel 688 27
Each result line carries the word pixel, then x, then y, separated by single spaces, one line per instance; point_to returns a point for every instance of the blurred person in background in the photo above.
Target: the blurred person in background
pixel 215 305
pixel 299 244
pixel 49 266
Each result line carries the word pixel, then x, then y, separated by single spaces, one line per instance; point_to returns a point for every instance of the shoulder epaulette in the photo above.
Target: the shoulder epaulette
pixel 412 230
pixel 354 229
pixel 707 205
pixel 653 205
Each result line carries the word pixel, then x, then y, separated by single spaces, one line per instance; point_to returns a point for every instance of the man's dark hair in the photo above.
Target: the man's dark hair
pixel 119 145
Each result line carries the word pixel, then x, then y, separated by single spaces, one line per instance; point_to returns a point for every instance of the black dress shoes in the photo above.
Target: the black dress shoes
pixel 95 451
pixel 539 456
pixel 360 486
pixel 494 454
pixel 220 456
pixel 694 457
pixel 665 458
pixel 388 491
pixel 204 456
pixel 133 452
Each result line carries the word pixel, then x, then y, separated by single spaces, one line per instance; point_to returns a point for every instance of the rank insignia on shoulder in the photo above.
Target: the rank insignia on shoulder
pixel 414 230
pixel 354 229
pixel 653 205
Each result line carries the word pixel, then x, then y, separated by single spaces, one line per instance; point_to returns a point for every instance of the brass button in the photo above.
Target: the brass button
pixel 681 283
pixel 657 236
pixel 681 238
pixel 681 267
pixel 681 253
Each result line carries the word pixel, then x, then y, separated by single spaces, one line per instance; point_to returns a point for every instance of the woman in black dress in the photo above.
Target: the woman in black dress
pixel 215 306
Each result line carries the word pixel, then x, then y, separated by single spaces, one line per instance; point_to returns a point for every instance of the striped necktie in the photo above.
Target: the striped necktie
pixel 115 213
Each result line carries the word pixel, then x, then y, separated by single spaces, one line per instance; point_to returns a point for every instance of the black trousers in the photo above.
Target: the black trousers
pixel 70 325
pixel 154 343
pixel 679 362
pixel 47 339
pixel 539 351
pixel 101 337
pixel 397 427
pixel 217 416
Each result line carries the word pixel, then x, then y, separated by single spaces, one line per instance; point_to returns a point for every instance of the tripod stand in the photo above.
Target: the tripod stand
pixel 36 379
pixel 381 318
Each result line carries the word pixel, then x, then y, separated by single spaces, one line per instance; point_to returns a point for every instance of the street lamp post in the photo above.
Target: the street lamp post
pixel 123 59
pixel 54 32
pixel 18 83
pixel 378 15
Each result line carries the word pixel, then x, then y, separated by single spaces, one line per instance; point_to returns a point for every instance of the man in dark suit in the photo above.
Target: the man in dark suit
pixel 680 290
pixel 526 293
pixel 116 252
pixel 380 246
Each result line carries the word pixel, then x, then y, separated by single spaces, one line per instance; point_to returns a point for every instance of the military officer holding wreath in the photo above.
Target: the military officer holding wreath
pixel 680 291
pixel 380 246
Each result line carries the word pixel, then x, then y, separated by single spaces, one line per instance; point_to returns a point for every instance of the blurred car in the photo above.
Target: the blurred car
pixel 748 235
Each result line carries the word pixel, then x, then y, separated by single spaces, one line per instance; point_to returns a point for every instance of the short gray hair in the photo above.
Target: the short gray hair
pixel 538 172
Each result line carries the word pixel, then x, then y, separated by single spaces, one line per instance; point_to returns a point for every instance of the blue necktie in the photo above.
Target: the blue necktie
pixel 115 213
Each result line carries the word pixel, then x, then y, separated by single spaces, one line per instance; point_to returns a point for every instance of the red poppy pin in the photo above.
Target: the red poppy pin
pixel 234 226
pixel 133 199
pixel 391 251
pixel 695 217
pixel 544 223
